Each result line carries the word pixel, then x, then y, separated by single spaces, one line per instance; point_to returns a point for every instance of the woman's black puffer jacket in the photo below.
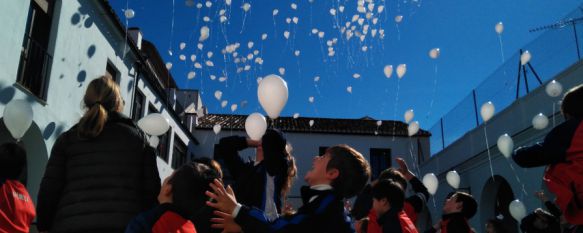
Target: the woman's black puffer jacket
pixel 99 184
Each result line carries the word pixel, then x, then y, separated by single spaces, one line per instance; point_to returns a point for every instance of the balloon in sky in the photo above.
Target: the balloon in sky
pixel 294 6
pixel 349 89
pixel 525 57
pixel 18 117
pixel 296 115
pixel 218 95
pixel 487 111
pixel 517 210
pixel 413 128
pixel 255 126
pixel 311 123
pixel 275 12
pixel 409 114
pixel 204 33
pixel 554 89
pixel 129 13
pixel 228 2
pixel 505 145
pixel 224 103
pixel 154 124
pixel 217 128
pixel 182 45
pixel 233 107
pixel 388 70
pixel 453 179
pixel 401 70
pixel 191 75
pixel 398 18
pixel 499 28
pixel 356 75
pixel 540 121
pixel 168 65
pixel 246 7
pixel 430 182
pixel 434 53
pixel 286 34
pixel 273 95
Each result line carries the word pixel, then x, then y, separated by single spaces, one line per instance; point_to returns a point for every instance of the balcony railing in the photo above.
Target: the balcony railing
pixel 35 67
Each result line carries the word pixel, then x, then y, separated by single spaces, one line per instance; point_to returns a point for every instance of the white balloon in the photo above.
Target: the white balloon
pixel 273 94
pixel 487 111
pixel 228 2
pixel 379 123
pixel 168 65
pixel 191 75
pixel 208 4
pixel 409 114
pixel 250 44
pixel 264 36
pixel 233 107
pixel 398 18
pixel 317 78
pixel 401 70
pixel 430 182
pixel 182 57
pixel 349 89
pixel 154 124
pixel 499 28
pixel 182 45
pixel 281 70
pixel 129 13
pixel 434 53
pixel 311 99
pixel 224 103
pixel 505 145
pixel 517 210
pixel 154 141
pixel 453 179
pixel 246 7
pixel 554 89
pixel 356 75
pixel 204 33
pixel 540 121
pixel 218 95
pixel 275 11
pixel 388 70
pixel 333 11
pixel 525 57
pixel 286 34
pixel 18 117
pixel 413 128
pixel 295 20
pixel 296 115
pixel 311 123
pixel 341 9
pixel 217 128
pixel 255 126
pixel 294 6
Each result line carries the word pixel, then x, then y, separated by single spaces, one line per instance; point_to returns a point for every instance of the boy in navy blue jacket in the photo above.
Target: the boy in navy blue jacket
pixel 181 197
pixel 340 173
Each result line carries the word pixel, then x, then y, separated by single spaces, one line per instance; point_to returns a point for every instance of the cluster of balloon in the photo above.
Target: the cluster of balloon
pixel 540 121
pixel 255 126
pixel 430 182
pixel 273 94
pixel 505 145
pixel 517 210
pixel 413 128
pixel 18 118
pixel 155 125
pixel 453 179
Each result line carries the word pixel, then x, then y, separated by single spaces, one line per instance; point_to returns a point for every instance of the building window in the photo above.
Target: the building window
pixel 179 153
pixel 138 111
pixel 35 61
pixel 111 72
pixel 380 159
pixel 322 150
pixel 163 145
pixel 152 109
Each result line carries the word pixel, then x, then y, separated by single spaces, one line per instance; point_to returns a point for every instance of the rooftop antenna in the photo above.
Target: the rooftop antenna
pixel 561 24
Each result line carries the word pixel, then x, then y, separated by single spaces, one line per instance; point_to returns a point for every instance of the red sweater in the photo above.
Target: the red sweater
pixel 16 207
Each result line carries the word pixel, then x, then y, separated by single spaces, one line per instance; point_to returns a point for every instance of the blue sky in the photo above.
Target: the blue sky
pixel 463 30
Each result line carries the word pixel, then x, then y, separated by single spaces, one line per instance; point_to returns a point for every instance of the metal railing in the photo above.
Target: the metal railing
pixel 35 67
pixel 553 51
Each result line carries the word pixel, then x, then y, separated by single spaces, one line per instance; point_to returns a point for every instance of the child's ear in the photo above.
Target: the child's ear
pixel 167 190
pixel 332 173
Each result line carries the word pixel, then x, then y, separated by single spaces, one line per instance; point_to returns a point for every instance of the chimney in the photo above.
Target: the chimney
pixel 136 36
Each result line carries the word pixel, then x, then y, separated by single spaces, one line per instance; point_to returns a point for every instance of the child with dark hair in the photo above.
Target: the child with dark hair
pixel 495 226
pixel 540 221
pixel 202 218
pixel 181 197
pixel 413 204
pixel 387 215
pixel 457 210
pixel 562 151
pixel 340 173
pixel 16 208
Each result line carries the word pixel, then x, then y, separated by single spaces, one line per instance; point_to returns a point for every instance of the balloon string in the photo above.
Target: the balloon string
pixel 415 161
pixel 501 48
pixel 171 27
pixel 554 114
pixel 488 148
pixel 434 92
pixel 517 178
pixel 395 112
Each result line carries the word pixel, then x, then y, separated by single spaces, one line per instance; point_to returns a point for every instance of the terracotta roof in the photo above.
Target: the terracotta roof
pixel 363 126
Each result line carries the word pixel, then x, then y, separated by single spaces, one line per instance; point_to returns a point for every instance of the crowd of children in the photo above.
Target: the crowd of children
pixel 101 193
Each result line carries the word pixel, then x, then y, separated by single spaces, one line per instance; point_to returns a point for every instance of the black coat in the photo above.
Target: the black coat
pixel 99 184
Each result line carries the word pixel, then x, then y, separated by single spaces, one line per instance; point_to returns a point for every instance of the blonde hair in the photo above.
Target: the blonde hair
pixel 102 96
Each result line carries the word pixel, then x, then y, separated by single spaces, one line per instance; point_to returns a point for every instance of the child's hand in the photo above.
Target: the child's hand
pixel 226 201
pixel 226 222
pixel 404 169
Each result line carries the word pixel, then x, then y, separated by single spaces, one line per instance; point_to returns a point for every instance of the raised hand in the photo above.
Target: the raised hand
pixel 404 169
pixel 226 222
pixel 225 198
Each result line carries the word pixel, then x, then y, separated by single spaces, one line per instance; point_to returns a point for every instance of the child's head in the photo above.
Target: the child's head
pixel 272 148
pixel 394 174
pixel 494 226
pixel 540 221
pixel 12 160
pixel 212 164
pixel 387 194
pixel 461 202
pixel 571 104
pixel 186 187
pixel 342 167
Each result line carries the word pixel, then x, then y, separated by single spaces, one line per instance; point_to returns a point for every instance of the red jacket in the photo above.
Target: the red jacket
pixel 386 224
pixel 16 208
